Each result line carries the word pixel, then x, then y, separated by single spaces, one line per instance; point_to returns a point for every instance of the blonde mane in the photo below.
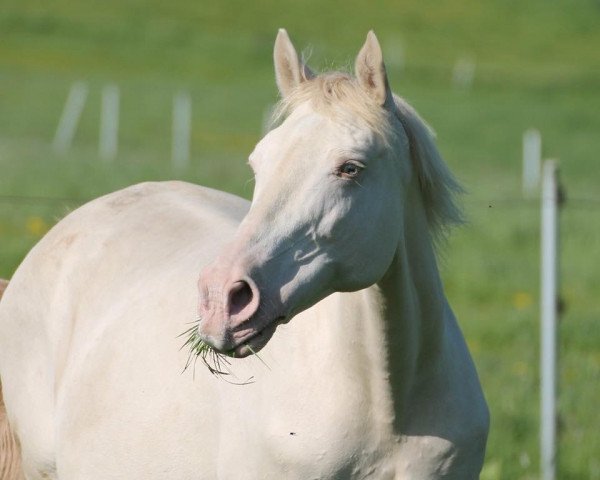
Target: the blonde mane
pixel 439 188
pixel 339 95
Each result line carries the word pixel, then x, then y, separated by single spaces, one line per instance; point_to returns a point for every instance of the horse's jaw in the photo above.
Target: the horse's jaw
pixel 253 342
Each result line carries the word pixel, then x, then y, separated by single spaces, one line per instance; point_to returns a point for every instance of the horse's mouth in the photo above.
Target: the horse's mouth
pixel 254 343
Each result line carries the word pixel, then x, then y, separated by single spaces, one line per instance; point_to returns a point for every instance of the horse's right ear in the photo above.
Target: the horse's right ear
pixel 289 71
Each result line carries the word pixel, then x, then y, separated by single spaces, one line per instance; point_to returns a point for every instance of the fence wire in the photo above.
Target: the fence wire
pixel 571 203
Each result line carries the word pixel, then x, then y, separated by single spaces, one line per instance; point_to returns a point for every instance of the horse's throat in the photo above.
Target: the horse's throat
pixel 413 308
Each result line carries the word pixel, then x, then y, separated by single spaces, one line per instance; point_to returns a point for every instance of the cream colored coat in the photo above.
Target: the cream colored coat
pixel 372 383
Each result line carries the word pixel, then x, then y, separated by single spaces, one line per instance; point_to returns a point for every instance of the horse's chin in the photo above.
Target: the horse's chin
pixel 256 342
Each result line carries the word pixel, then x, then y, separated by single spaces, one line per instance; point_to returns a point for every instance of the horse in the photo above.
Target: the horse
pixel 334 351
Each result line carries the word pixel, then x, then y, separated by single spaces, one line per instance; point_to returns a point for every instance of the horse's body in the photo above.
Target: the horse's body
pixel 372 383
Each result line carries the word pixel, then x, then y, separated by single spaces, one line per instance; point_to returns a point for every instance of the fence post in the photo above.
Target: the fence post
pixel 109 122
pixel 463 73
pixel 182 125
pixel 69 119
pixel 532 159
pixel 550 200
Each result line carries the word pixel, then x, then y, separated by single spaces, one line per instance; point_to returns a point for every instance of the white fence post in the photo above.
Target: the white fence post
pixel 532 161
pixel 109 123
pixel 69 119
pixel 463 73
pixel 549 313
pixel 182 125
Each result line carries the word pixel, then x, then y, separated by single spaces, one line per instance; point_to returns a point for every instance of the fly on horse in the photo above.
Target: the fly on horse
pixel 322 297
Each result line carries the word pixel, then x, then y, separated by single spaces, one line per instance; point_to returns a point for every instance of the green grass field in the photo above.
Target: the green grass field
pixel 537 65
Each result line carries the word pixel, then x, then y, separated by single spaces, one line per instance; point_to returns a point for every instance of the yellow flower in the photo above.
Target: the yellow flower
pixel 36 226
pixel 492 470
pixel 522 300
pixel 520 368
pixel 474 345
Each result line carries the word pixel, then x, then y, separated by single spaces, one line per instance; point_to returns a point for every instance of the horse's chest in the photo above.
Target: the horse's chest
pixel 303 435
pixel 325 448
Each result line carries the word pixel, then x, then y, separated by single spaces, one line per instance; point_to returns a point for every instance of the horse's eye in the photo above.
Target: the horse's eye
pixel 349 170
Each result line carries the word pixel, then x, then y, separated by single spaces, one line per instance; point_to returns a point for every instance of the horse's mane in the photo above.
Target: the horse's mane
pixel 439 188
pixel 328 92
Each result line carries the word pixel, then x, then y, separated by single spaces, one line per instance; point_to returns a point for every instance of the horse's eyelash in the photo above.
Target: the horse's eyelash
pixel 354 161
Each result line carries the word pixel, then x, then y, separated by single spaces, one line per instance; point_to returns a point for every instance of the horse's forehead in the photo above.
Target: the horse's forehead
pixel 307 129
pixel 336 125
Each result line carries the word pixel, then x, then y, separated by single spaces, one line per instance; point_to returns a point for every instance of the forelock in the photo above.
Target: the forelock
pixel 338 96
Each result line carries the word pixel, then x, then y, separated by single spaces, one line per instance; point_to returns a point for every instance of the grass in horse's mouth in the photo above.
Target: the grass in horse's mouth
pixel 216 362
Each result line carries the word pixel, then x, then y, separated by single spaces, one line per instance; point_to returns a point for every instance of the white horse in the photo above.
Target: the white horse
pixel 330 272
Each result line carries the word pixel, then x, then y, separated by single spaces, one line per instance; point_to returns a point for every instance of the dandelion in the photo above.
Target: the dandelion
pixel 522 300
pixel 36 226
pixel 520 368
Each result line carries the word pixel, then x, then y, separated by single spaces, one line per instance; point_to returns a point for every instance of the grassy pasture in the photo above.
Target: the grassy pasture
pixel 537 65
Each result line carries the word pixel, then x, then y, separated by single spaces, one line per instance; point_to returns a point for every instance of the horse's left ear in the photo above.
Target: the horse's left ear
pixel 370 71
pixel 289 71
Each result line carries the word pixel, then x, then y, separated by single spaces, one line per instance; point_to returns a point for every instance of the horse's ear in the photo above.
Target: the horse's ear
pixel 289 71
pixel 370 71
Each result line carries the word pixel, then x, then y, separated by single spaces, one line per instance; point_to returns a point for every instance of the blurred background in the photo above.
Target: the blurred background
pixel 480 72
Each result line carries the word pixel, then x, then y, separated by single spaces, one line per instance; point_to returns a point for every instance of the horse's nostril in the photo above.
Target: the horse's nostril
pixel 240 296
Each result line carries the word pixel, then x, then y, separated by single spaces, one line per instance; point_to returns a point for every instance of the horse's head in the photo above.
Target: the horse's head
pixel 327 213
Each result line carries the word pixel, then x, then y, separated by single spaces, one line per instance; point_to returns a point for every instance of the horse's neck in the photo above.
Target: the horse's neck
pixel 407 309
pixel 414 314
pixel 385 337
